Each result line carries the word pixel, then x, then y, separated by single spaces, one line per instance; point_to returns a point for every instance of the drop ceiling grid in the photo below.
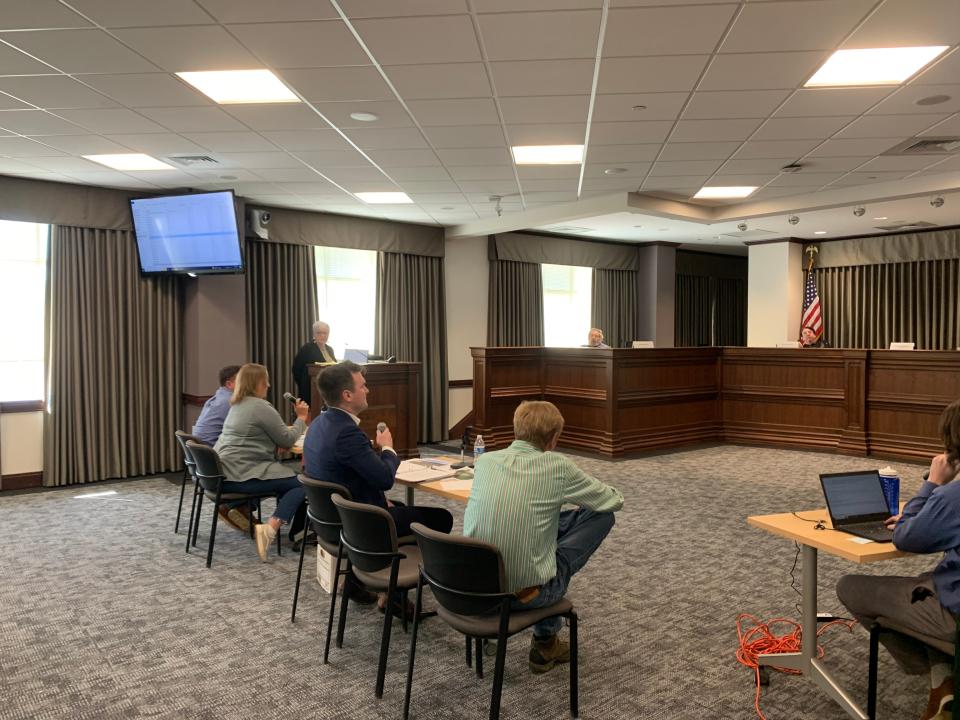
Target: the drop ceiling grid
pixel 443 85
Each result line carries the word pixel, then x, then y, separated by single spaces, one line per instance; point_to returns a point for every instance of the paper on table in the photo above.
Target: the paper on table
pixel 417 471
pixel 457 484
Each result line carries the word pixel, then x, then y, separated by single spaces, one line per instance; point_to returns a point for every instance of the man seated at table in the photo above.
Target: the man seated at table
pixel 928 604
pixel 516 503
pixel 595 339
pixel 208 426
pixel 335 449
pixel 809 339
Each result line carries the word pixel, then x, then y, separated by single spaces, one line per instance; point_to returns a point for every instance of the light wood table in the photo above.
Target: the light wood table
pixel 801 528
pixel 452 488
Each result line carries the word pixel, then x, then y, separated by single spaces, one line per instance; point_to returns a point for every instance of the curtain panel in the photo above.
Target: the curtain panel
pixel 693 311
pixel 411 324
pixel 871 306
pixel 281 308
pixel 515 304
pixel 730 312
pixel 614 305
pixel 114 360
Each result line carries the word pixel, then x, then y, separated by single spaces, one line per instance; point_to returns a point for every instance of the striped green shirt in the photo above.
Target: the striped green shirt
pixel 515 504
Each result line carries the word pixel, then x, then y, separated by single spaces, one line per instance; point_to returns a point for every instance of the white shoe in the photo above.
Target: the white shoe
pixel 264 534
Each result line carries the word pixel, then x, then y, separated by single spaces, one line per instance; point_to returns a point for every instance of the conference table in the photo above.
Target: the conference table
pixel 452 488
pixel 801 527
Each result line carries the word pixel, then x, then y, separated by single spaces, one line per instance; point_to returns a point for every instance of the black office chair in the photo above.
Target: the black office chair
pixel 469 584
pixel 210 479
pixel 884 625
pixel 188 473
pixel 369 540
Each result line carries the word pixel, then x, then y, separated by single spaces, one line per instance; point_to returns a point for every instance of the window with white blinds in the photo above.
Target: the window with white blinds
pixel 23 267
pixel 566 304
pixel 347 294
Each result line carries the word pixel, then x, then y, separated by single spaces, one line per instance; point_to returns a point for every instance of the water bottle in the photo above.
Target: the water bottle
pixel 478 448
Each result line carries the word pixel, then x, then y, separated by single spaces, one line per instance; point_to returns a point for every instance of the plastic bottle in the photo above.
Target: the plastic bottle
pixel 478 448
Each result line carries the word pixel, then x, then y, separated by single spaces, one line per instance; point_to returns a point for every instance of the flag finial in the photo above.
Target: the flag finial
pixel 811 250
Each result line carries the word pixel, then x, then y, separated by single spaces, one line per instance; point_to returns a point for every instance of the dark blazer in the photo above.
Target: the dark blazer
pixel 337 450
pixel 307 355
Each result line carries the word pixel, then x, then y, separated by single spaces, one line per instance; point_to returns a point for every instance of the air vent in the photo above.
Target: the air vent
pixel 757 234
pixel 926 146
pixel 193 160
pixel 570 229
pixel 904 225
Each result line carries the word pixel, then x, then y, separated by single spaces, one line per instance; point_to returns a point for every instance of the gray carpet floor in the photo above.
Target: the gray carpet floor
pixel 103 615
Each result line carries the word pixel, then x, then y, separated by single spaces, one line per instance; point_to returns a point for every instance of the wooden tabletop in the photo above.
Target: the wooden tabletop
pixel 801 527
pixel 452 488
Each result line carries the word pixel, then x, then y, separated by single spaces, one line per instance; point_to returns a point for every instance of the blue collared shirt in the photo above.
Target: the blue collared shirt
pixel 210 423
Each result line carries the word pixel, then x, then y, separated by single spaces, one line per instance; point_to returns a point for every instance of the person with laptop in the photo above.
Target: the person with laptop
pixel 929 604
pixel 314 351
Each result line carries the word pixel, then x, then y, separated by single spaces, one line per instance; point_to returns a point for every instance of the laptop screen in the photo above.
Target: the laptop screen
pixel 356 355
pixel 854 495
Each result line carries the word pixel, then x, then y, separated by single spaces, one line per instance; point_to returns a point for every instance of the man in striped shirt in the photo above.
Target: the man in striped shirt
pixel 516 504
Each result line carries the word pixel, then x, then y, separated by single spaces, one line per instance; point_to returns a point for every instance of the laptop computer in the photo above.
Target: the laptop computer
pixel 856 504
pixel 356 355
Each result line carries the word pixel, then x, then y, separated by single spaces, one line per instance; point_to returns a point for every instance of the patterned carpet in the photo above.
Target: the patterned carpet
pixel 104 616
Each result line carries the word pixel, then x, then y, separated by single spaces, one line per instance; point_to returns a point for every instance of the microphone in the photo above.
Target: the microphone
pixel 463 446
pixel 381 427
pixel 290 397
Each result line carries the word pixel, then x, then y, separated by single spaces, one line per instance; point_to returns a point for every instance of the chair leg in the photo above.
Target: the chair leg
pixel 574 670
pixel 213 528
pixel 479 655
pixel 469 644
pixel 413 648
pixel 183 487
pixel 296 588
pixel 343 601
pixel 196 520
pixel 872 671
pixel 333 605
pixel 387 625
pixel 193 509
pixel 502 638
pixel 403 610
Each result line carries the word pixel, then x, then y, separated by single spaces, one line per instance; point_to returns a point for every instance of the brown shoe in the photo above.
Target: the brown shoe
pixel 940 704
pixel 544 654
pixel 234 518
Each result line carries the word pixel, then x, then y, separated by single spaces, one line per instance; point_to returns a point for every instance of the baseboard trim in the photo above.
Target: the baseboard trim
pixel 21 481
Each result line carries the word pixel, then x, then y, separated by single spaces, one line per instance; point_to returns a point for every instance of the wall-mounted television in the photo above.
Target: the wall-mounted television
pixel 196 234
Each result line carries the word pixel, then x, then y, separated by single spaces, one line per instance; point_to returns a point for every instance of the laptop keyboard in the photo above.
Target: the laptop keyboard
pixel 873 530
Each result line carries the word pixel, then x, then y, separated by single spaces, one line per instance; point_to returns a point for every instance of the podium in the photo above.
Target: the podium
pixel 393 399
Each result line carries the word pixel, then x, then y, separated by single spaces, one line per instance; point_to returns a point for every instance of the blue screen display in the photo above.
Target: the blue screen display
pixel 188 233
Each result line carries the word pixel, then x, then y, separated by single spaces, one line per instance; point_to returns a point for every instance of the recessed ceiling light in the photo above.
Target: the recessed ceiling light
pixel 364 116
pixel 663 229
pixel 614 171
pixel 725 192
pixel 638 226
pixel 228 177
pixel 229 87
pixel 873 66
pixel 819 232
pixel 548 154
pixel 884 217
pixel 639 107
pixel 384 198
pixel 933 100
pixel 448 207
pixel 130 161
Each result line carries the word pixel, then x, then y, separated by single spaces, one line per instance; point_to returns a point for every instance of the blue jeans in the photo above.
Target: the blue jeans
pixel 578 536
pixel 290 494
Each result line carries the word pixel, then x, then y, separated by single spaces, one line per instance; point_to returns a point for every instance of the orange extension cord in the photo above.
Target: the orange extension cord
pixel 761 640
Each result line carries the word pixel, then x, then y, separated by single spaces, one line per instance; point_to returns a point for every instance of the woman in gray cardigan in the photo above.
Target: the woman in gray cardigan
pixel 251 433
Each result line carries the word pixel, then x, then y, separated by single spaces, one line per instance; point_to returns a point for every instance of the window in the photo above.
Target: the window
pixel 23 268
pixel 347 294
pixel 566 305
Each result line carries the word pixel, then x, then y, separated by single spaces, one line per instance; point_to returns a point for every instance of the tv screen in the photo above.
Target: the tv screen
pixel 188 233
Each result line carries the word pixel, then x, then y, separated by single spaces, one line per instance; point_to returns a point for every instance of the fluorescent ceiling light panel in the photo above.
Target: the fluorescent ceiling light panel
pixel 384 198
pixel 548 154
pixel 873 66
pixel 130 161
pixel 713 193
pixel 232 87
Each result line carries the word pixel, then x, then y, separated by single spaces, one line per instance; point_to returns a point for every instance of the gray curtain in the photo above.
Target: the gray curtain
pixel 113 359
pixel 730 312
pixel 515 304
pixel 614 304
pixel 411 324
pixel 693 318
pixel 281 308
pixel 870 306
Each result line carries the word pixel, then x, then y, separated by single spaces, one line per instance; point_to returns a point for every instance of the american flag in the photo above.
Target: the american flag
pixel 811 316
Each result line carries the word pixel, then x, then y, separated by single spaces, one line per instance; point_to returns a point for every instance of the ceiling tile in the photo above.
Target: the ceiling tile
pixel 685 167
pixel 629 133
pixel 806 128
pixel 449 80
pixel 466 136
pixel 192 119
pixel 141 13
pixel 277 117
pixel 14 62
pixel 438 39
pixel 225 173
pixel 430 186
pixel 22 147
pixel 302 44
pixel 474 157
pixel 541 35
pixel 53 92
pixel 563 108
pixel 543 77
pixel 633 170
pixel 39 14
pixel 335 84
pixel 904 100
pixel 818 102
pixel 404 158
pixel 291 174
pixel 390 112
pixel 813 25
pixel 188 48
pixel 307 139
pixel 230 141
pixel 258 160
pixel 387 138
pixel 564 185
pixel 867 147
pixel 489 6
pixel 333 158
pixel 85 144
pixel 699 150
pixel 892 164
pixel 805 179
pixel 650 74
pixel 351 176
pixel 403 174
pixel 65 164
pixel 947 127
pixel 762 71
pixel 693 182
pixel 482 172
pixel 116 120
pixel 620 108
pixel 665 30
pixel 244 11
pixel 391 8
pixel 734 104
pixel 158 143
pixel 854 179
pixel 551 134
pixel 709 130
pixel 945 70
pixel 532 198
pixel 146 90
pixel 9 103
pixel 454 112
pixel 503 187
pixel 616 154
pixel 909 23
pixel 775 149
pixel 36 122
pixel 79 51
pixel 767 166
pixel 831 164
pixel 889 126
